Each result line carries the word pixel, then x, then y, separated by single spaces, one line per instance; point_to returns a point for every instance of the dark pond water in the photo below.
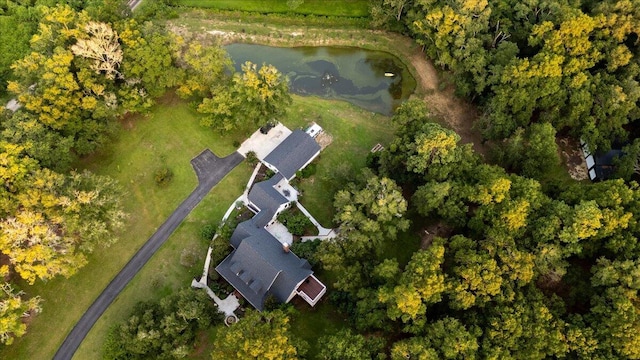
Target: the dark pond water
pixel 374 80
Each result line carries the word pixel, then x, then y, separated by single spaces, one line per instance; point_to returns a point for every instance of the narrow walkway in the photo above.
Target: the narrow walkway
pixel 322 231
pixel 210 169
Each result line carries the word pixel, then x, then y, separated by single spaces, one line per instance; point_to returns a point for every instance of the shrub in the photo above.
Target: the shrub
pixel 307 172
pixel 163 176
pixel 174 321
pixel 295 222
pixel 220 248
pixel 252 158
pixel 208 231
pixel 307 250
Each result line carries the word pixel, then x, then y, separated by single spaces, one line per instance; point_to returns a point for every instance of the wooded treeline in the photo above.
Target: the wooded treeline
pixel 573 64
pixel 513 271
pixel 74 70
pixel 73 78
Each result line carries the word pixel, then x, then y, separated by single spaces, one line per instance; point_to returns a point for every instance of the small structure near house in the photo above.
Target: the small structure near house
pixel 314 130
pixel 377 147
pixel 599 165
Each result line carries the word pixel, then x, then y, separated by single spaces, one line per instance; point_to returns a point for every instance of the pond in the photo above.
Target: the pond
pixel 373 80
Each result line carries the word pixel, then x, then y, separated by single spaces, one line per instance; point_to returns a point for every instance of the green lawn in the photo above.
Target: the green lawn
pixel 170 136
pixel 354 131
pixel 309 324
pixel 163 274
pixel 348 8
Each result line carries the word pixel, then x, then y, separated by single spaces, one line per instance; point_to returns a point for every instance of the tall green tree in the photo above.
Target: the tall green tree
pixel 165 329
pixel 255 96
pixel 13 309
pixel 421 284
pixel 259 335
pixel 345 345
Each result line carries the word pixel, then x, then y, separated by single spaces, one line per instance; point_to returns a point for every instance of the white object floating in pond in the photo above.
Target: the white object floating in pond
pixel 388 74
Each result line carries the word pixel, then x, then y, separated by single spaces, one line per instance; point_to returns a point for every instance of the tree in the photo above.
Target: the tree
pixel 259 335
pixel 205 67
pixel 569 81
pixel 296 222
pixel 528 327
pixel 345 345
pixel 424 150
pixel 62 90
pixel 148 62
pixel 627 165
pixel 50 148
pixel 49 222
pixel 451 339
pixel 615 320
pixel 101 45
pixel 532 153
pixel 307 250
pixel 476 277
pixel 15 30
pixel 421 284
pixel 13 308
pixel 447 338
pixel 165 329
pixel 453 33
pixel 258 94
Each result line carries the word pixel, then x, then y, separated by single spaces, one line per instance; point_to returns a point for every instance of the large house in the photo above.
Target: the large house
pixel 260 265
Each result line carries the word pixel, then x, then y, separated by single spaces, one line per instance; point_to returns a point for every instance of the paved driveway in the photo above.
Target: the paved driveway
pixel 210 169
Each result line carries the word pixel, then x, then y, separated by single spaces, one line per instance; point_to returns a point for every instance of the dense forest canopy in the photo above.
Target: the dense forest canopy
pixel 519 266
pixel 520 272
pixel 75 76
pixel 573 64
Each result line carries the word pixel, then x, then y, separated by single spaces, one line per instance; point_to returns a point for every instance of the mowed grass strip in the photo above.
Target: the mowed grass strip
pixel 169 136
pixel 346 8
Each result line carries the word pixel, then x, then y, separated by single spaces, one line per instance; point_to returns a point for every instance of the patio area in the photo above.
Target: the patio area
pixel 263 144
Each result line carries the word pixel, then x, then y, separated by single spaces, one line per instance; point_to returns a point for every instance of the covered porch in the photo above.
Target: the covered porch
pixel 311 290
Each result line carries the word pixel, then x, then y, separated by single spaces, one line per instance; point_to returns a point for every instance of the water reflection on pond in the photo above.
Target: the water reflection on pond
pixel 374 80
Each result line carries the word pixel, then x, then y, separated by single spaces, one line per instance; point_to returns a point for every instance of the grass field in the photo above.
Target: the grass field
pixel 347 8
pixel 354 132
pixel 163 274
pixel 170 137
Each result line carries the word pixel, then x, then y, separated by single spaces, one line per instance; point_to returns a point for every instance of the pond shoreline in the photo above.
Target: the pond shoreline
pixel 351 74
pixel 454 112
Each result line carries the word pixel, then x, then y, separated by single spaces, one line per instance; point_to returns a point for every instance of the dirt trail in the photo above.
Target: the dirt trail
pixel 457 113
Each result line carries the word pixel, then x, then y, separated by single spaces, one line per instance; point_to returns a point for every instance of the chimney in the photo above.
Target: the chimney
pixel 285 247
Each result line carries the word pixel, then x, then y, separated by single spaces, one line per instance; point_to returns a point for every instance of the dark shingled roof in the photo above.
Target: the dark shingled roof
pixel 604 163
pixel 260 266
pixel 295 151
pixel 267 199
pixel 243 231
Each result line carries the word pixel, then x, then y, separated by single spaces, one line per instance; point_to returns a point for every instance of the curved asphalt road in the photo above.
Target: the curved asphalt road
pixel 210 169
